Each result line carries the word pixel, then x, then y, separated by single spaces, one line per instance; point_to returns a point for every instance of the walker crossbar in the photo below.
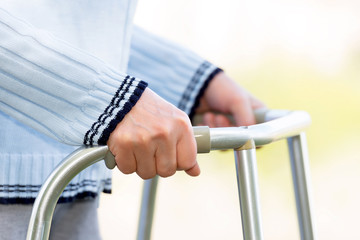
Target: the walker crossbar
pixel 272 125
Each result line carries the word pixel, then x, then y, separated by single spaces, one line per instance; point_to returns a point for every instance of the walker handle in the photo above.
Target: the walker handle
pixel 201 133
pixel 271 125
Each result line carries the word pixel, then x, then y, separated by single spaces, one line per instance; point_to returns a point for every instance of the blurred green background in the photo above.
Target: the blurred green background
pixel 293 54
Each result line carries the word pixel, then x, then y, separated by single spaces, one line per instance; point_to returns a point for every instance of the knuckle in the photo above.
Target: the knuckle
pixel 183 118
pixel 126 170
pixel 126 140
pixel 167 172
pixel 183 123
pixel 162 132
pixel 143 139
pixel 146 175
pixel 140 138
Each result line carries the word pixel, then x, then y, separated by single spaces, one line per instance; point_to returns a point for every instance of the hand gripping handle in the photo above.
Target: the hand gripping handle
pixel 202 137
pixel 280 125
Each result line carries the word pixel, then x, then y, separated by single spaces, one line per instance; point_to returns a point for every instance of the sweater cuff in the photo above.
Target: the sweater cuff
pixel 202 91
pixel 123 101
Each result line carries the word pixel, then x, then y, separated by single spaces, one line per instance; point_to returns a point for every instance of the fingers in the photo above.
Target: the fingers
pixel 194 171
pixel 256 103
pixel 243 108
pixel 157 155
pixel 147 156
pixel 186 153
pixel 224 95
pixel 243 112
pixel 166 162
pixel 215 120
pixel 125 161
pixel 133 154
pixel 145 159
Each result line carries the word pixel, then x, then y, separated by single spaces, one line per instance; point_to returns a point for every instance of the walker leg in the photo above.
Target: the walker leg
pixel 300 172
pixel 147 209
pixel 246 170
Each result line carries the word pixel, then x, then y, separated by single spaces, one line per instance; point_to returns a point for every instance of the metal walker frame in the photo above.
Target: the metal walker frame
pixel 273 126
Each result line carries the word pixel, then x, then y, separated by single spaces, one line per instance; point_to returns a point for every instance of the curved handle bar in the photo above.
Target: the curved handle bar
pixel 275 125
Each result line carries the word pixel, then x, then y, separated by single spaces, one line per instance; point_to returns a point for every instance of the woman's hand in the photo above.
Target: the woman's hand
pixel 155 137
pixel 224 96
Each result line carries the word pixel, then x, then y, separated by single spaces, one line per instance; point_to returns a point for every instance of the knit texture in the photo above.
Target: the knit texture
pixel 175 73
pixel 55 96
pixel 58 89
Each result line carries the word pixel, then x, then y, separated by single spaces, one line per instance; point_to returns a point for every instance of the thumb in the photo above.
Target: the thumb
pixel 194 171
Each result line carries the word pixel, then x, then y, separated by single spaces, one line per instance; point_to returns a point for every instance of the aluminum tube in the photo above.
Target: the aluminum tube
pixel 147 209
pixel 246 171
pixel 301 178
pixel 43 209
pixel 287 125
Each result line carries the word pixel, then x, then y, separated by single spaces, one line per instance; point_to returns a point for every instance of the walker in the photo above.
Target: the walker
pixel 273 125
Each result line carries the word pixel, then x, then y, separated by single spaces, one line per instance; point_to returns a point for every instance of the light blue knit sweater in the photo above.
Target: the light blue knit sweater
pixel 66 80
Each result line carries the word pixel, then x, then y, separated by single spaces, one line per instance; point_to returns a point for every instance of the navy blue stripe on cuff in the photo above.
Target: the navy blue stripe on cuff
pixel 202 91
pixel 114 104
pixel 140 88
pixel 186 97
pixel 89 136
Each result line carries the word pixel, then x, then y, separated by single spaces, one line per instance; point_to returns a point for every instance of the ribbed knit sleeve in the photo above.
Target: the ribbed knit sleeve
pixel 175 73
pixel 59 90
